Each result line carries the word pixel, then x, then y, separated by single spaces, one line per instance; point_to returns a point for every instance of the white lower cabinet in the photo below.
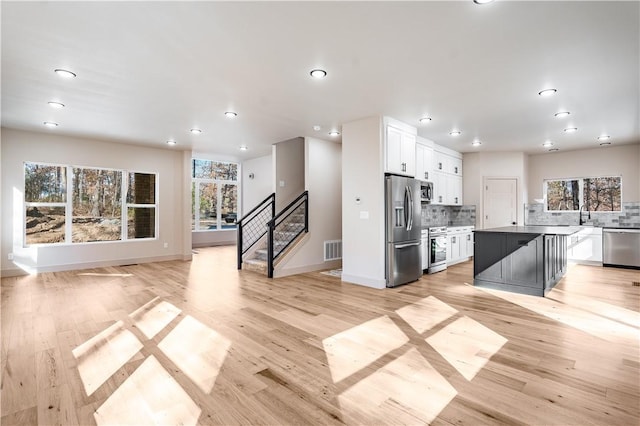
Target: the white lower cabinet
pixel 459 244
pixel 585 247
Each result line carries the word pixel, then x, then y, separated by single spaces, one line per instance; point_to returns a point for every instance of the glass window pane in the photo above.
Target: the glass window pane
pixel 142 188
pixel 45 225
pixel 563 195
pixel 141 222
pixel 602 194
pixel 45 184
pixel 208 206
pixel 207 169
pixel 96 205
pixel 229 206
pixel 193 206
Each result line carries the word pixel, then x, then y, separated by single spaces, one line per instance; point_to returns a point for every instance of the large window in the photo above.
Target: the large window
pixel 594 194
pixel 93 205
pixel 214 198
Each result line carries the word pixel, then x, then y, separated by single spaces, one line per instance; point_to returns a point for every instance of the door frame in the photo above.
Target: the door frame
pixel 519 204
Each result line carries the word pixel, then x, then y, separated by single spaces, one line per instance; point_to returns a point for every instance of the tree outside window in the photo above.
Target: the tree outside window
pixel 214 200
pixel 593 194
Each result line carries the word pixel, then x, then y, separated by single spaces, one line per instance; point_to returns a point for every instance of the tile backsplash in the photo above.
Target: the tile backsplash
pixel 628 217
pixel 437 215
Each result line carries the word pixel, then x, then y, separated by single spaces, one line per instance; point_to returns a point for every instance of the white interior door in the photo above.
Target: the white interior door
pixel 500 202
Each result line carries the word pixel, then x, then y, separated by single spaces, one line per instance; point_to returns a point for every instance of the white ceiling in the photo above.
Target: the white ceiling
pixel 150 71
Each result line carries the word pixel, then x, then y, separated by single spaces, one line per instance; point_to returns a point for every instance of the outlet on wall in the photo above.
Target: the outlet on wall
pixel 166 245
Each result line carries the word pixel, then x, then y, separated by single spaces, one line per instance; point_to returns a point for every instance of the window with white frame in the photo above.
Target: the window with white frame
pixel 593 194
pixel 214 195
pixel 68 204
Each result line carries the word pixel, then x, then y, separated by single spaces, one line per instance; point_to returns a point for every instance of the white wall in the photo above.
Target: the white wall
pixel 288 158
pixel 363 243
pixel 623 160
pixel 480 165
pixel 20 146
pixel 257 189
pixel 323 178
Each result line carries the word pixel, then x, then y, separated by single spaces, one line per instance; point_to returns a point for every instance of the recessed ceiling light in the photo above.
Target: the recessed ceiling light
pixel 605 143
pixel 424 120
pixel 317 128
pixel 603 137
pixel 561 114
pixel 482 1
pixel 547 92
pixel 476 143
pixel 196 131
pixel 231 114
pixel 547 144
pixel 243 148
pixel 171 142
pixel 554 150
pixel 570 129
pixel 50 124
pixel 318 73
pixel 334 133
pixel 64 73
pixel 56 105
pixel 455 133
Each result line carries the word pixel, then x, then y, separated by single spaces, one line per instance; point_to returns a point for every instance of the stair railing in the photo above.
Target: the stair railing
pixel 253 226
pixel 285 227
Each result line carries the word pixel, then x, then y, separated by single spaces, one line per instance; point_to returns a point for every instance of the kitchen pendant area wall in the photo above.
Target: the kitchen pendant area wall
pixel 438 215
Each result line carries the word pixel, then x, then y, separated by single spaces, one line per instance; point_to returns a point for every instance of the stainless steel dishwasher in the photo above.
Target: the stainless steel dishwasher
pixel 621 247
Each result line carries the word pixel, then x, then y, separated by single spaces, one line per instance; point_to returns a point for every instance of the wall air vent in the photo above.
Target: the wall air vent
pixel 332 250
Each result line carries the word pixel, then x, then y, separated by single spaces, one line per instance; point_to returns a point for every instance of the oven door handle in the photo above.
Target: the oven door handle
pixel 401 246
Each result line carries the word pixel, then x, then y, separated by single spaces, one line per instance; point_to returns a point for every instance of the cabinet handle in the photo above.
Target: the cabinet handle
pixel 456 200
pixel 404 167
pixel 426 175
pixel 439 198
pixel 456 170
pixel 468 237
pixel 453 240
pixel 439 166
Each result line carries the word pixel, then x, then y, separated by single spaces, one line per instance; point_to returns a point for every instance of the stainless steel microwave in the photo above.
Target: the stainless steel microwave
pixel 426 192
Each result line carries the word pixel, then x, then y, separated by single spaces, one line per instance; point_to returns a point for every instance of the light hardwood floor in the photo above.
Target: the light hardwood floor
pixel 200 342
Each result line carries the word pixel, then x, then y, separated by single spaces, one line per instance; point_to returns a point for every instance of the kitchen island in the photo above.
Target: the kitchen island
pixel 522 259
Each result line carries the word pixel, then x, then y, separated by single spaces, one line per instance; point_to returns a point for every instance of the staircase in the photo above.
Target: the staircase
pixel 276 236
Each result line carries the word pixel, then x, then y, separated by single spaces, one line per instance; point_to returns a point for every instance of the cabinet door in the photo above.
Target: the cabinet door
pixel 453 248
pixel 524 263
pixel 453 190
pixel 393 150
pixel 440 161
pixel 421 173
pixel 439 188
pixel 468 244
pixel 455 166
pixel 408 153
pixel 428 163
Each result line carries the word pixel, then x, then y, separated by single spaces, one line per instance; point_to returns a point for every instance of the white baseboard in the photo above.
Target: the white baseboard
pixel 364 281
pixel 15 272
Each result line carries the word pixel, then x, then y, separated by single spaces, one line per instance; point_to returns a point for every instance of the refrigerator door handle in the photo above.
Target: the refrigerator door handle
pixel 401 246
pixel 409 202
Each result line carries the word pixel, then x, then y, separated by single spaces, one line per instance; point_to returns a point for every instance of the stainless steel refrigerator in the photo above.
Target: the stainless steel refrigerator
pixel 403 228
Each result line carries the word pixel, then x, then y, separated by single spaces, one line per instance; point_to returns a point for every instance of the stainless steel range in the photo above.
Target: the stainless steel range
pixel 438 249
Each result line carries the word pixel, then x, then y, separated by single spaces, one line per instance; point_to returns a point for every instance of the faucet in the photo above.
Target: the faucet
pixel 580 221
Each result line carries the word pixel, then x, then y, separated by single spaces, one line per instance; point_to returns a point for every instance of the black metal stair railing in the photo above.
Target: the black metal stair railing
pixel 253 226
pixel 285 227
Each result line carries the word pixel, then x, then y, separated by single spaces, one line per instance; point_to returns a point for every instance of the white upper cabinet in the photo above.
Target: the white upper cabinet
pixel 424 159
pixel 447 176
pixel 400 148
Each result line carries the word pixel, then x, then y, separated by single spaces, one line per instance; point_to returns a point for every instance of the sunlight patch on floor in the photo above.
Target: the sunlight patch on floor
pixel 407 390
pixel 155 315
pixel 354 349
pixel 150 396
pixel 426 313
pixel 95 274
pixel 467 345
pixel 581 319
pixel 597 307
pixel 197 350
pixel 104 354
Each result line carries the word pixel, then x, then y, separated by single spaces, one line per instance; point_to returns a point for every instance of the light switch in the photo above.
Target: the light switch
pixel 281 184
pixel 364 215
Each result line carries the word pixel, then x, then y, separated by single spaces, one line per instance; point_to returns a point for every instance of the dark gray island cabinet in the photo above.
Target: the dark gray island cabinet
pixel 523 259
